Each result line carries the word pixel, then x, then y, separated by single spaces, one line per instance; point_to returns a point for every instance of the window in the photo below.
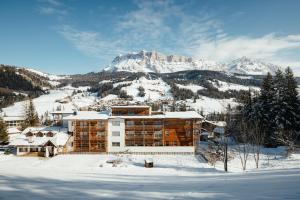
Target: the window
pixel 159 143
pixel 129 143
pixel 101 145
pixel 187 122
pixel 49 134
pixel 144 132
pixel 116 123
pixel 84 135
pixel 22 149
pixel 100 133
pixel 83 124
pixel 157 134
pixel 188 133
pixel 130 123
pixel 130 132
pixel 167 132
pixel 100 124
pixel 39 134
pixel 116 133
pixel 34 149
pixel 175 143
pixel 167 143
pixel 29 134
pixel 115 144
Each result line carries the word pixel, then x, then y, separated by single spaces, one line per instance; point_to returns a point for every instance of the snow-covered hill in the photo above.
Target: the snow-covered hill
pixel 53 79
pixel 159 63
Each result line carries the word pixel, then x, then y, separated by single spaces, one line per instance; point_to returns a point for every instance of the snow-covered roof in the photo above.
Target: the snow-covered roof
pixel 13 118
pixel 217 123
pixel 166 115
pixel 59 138
pixel 87 115
pixel 132 106
pixel 62 112
pixel 93 115
pixel 13 130
pixel 184 114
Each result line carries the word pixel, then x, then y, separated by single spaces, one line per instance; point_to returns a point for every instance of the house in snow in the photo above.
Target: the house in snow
pixel 134 129
pixel 40 141
pixel 13 121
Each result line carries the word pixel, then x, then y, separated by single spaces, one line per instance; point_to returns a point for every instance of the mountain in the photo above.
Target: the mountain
pixel 159 63
pixel 246 65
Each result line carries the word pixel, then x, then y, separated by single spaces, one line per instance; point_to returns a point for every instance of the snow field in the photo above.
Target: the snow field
pixel 173 177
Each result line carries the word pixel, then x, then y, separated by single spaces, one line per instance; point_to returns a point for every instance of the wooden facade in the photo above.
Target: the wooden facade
pixel 160 132
pixel 123 111
pixel 90 136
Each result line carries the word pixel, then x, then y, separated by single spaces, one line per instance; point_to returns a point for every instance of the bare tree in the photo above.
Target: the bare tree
pixel 287 138
pixel 243 144
pixel 257 140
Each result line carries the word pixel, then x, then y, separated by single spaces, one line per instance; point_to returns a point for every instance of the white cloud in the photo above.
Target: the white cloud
pixel 52 7
pixel 166 27
pixel 89 42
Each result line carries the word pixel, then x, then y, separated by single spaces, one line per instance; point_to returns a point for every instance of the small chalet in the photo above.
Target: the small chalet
pixel 40 141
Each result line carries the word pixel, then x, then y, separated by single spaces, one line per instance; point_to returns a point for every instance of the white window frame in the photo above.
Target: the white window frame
pixel 115 144
pixel 115 133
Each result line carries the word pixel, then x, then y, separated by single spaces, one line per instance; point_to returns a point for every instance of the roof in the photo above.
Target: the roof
pixel 59 138
pixel 13 130
pixel 166 115
pixel 13 118
pixel 62 112
pixel 132 106
pixel 87 115
pixel 93 115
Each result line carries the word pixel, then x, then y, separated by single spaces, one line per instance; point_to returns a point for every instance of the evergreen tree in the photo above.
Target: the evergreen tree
pixel 3 132
pixel 263 110
pixel 31 116
pixel 279 106
pixel 292 111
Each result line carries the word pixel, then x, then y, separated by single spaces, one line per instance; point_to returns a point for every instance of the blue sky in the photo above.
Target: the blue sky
pixel 77 36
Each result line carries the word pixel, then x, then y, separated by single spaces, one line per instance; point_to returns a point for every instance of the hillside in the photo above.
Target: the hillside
pixel 18 83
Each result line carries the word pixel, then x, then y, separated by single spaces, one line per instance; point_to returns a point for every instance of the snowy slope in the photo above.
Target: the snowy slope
pixel 155 89
pixel 173 177
pixel 159 63
pixel 51 77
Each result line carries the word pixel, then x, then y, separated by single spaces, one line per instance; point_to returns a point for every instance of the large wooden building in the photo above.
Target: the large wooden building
pixel 134 129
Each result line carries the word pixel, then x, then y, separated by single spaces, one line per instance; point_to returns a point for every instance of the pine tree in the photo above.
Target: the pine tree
pixel 292 112
pixel 265 104
pixel 279 106
pixel 31 116
pixel 3 132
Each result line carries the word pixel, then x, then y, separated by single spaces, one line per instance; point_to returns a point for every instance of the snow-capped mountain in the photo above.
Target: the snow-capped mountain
pixel 156 62
pixel 159 63
pixel 246 65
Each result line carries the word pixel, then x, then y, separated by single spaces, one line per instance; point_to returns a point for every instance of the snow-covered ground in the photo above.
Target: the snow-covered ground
pixel 42 104
pixel 224 86
pixel 49 102
pixel 210 105
pixel 173 177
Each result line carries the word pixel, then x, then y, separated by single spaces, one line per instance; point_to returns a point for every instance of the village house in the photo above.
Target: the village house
pixel 40 141
pixel 134 129
pixel 13 121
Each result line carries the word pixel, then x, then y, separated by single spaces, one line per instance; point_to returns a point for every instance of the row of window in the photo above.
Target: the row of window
pixel 85 124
